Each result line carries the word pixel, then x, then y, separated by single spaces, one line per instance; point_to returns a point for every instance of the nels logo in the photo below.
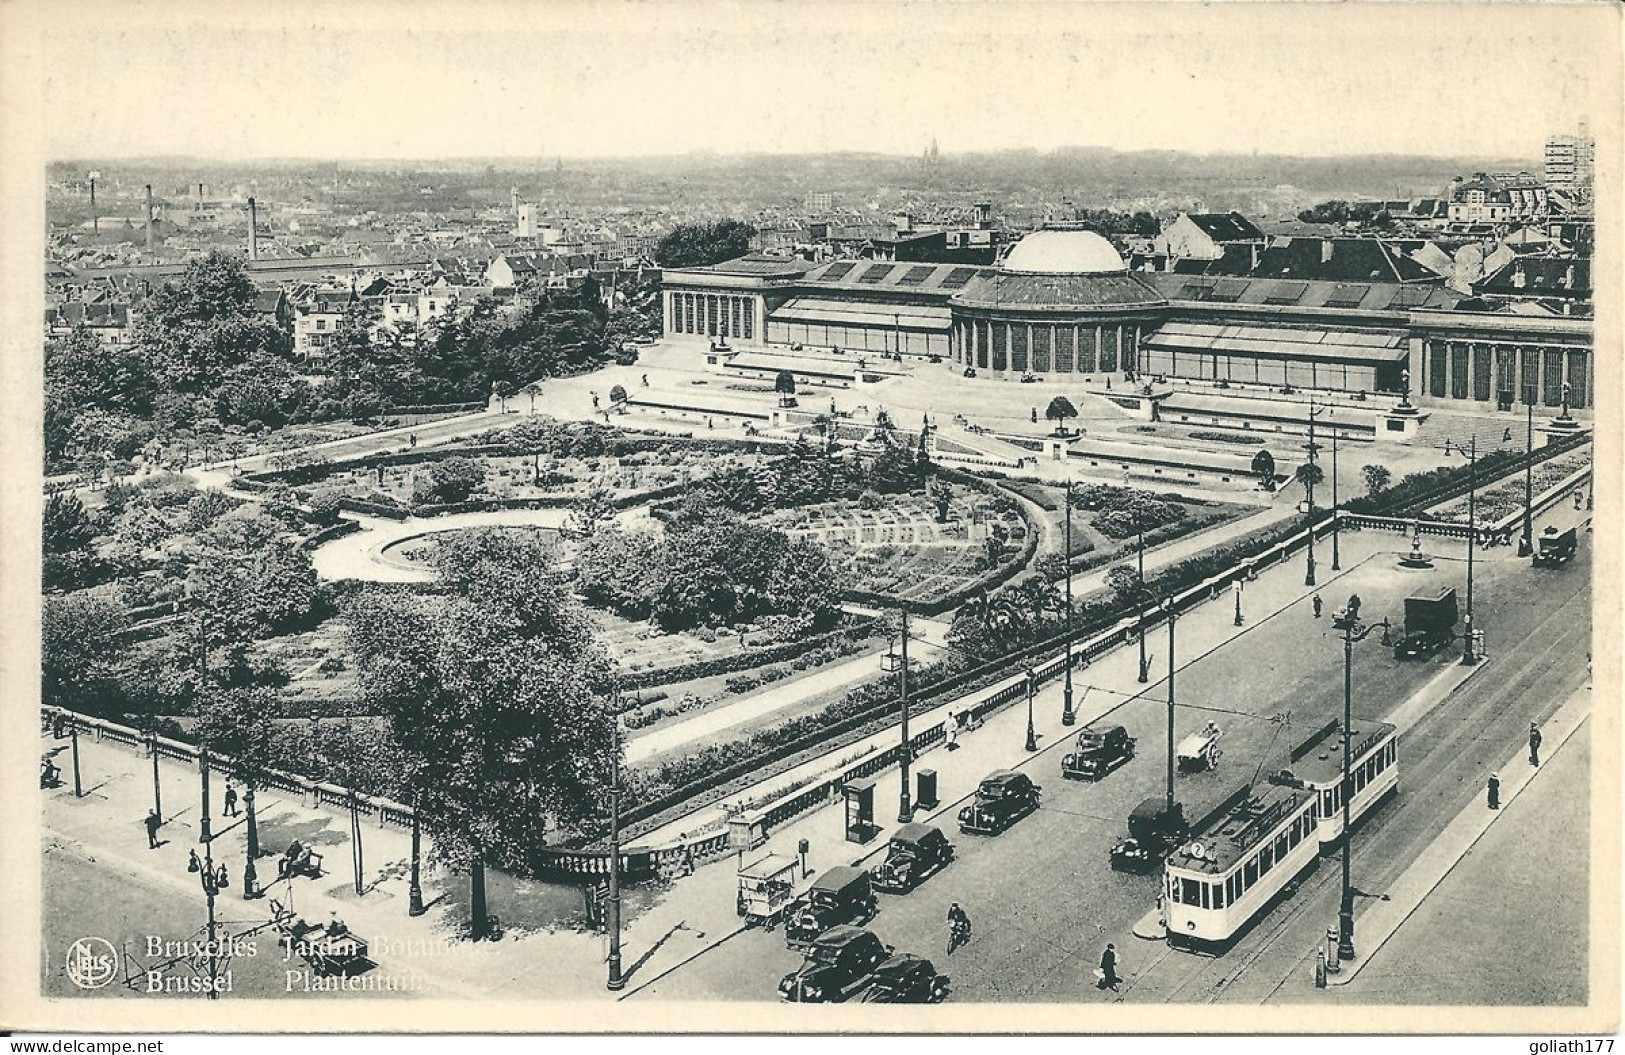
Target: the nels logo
pixel 92 963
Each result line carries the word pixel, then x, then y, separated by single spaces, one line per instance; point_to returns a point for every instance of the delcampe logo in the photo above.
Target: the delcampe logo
pixel 92 963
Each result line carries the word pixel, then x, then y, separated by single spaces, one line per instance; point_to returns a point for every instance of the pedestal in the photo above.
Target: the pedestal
pixel 1561 428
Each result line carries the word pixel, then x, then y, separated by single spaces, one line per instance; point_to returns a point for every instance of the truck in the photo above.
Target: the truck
pixel 1556 547
pixel 1430 624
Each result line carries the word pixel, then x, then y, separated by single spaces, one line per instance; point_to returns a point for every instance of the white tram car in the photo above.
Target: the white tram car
pixel 1317 766
pixel 1235 866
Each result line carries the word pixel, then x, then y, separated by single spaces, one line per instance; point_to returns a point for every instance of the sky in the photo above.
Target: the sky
pixel 295 79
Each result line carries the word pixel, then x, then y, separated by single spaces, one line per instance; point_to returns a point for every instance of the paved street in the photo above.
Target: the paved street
pixel 1041 896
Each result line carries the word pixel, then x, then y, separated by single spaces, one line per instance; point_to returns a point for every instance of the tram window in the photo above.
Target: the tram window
pixel 1294 836
pixel 1250 874
pixel 1190 895
pixel 1207 894
pixel 1281 847
pixel 1325 802
pixel 1370 770
pixel 1218 895
pixel 1230 887
pixel 1266 858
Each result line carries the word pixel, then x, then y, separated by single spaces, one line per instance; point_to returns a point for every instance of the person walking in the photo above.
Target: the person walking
pixel 153 823
pixel 958 927
pixel 230 809
pixel 1108 969
pixel 1317 606
pixel 1494 792
pixel 1534 744
pixel 951 733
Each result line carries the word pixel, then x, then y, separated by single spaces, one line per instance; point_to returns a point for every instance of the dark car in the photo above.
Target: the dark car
pixel 1002 799
pixel 916 852
pixel 906 979
pixel 843 894
pixel 1153 832
pixel 838 963
pixel 1099 751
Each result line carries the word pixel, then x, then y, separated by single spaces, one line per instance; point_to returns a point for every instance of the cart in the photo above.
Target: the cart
pixel 1200 751
pixel 766 888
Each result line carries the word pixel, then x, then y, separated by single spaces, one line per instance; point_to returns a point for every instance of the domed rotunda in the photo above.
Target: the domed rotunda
pixel 1061 302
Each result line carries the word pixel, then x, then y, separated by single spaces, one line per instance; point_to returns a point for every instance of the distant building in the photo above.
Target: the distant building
pixel 1571 160
pixel 318 320
pixel 1207 236
pixel 821 203
pixel 1496 198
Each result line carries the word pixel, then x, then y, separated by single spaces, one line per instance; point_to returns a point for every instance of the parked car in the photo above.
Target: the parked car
pixel 906 979
pixel 916 852
pixel 843 894
pixel 1003 798
pixel 1153 833
pixel 1099 751
pixel 839 962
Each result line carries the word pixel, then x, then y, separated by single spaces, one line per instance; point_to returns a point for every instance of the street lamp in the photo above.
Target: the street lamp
pixel 616 981
pixel 157 793
pixel 1468 656
pixel 1168 607
pixel 1145 665
pixel 905 810
pixel 1353 630
pixel 251 847
pixel 73 738
pixel 1309 491
pixel 1337 563
pixel 1236 588
pixel 1032 734
pixel 1068 715
pixel 208 878
pixel 414 888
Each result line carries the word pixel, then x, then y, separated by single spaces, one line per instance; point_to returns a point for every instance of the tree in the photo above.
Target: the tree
pixel 941 496
pixel 698 245
pixel 495 693
pixel 1376 478
pixel 1126 583
pixel 195 329
pixel 450 481
pixel 617 394
pixel 252 582
pixel 785 383
pixel 1264 469
pixel 594 509
pixel 1309 474
pixel 79 646
pixel 68 535
pixel 1059 410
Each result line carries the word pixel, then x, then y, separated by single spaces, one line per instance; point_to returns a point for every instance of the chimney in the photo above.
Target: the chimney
pixel 253 231
pixel 149 216
pixel 95 220
pixel 200 197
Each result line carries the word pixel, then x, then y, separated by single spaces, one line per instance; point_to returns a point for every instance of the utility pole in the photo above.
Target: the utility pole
pixel 1526 545
pixel 1168 605
pixel 1068 715
pixel 1032 734
pixel 1468 656
pixel 1145 665
pixel 251 848
pixel 1352 632
pixel 1309 490
pixel 616 981
pixel 157 793
pixel 73 738
pixel 414 890
pixel 905 810
pixel 1337 563
pixel 210 887
pixel 355 839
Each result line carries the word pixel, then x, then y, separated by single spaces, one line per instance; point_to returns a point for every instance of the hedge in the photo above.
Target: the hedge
pixel 328 534
pixel 1417 491
pixel 745 659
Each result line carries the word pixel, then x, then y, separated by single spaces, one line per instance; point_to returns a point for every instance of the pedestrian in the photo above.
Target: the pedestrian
pixel 1506 435
pixel 1495 792
pixel 1108 384
pixel 952 734
pixel 412 439
pixel 595 400
pixel 1534 744
pixel 153 823
pixel 1108 969
pixel 645 380
pixel 1316 603
pixel 231 801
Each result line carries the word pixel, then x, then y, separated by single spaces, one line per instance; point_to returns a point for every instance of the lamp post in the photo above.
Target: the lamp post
pixel 73 738
pixel 1236 588
pixel 1068 715
pixel 1168 606
pixel 1352 631
pixel 1032 734
pixel 251 846
pixel 414 889
pixel 616 981
pixel 208 877
pixel 1337 562
pixel 1145 665
pixel 905 810
pixel 157 793
pixel 1526 544
pixel 1309 492
pixel 1468 656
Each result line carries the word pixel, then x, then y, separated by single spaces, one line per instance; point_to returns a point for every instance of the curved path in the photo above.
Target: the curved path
pixel 362 556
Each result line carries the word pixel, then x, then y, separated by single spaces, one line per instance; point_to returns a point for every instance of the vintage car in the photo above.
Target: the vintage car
pixel 838 963
pixel 766 886
pixel 843 894
pixel 916 852
pixel 1099 751
pixel 906 979
pixel 1002 799
pixel 1154 832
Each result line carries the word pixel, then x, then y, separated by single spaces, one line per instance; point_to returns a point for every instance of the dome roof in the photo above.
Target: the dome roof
pixel 1064 252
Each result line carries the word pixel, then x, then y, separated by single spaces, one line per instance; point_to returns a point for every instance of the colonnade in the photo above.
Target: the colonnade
pixel 1018 346
pixel 1481 370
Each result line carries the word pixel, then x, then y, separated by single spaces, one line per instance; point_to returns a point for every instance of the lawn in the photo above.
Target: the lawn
pixel 1505 498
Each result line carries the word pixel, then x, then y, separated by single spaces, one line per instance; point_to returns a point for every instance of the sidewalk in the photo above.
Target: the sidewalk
pixel 1382 919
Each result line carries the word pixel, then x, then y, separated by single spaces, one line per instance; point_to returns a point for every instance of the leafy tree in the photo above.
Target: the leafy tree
pixel 197 328
pixel 79 646
pixel 697 245
pixel 494 692
pixel 68 535
pixel 784 383
pixel 595 509
pixel 1264 468
pixel 1376 478
pixel 1126 584
pixel 617 394
pixel 1059 410
pixel 1309 474
pixel 942 497
pixel 451 480
pixel 253 582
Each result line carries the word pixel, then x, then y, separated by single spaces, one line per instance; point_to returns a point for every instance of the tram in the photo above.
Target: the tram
pixel 1317 766
pixel 1259 842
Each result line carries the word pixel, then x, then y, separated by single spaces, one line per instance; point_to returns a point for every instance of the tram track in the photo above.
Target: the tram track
pixel 1317 889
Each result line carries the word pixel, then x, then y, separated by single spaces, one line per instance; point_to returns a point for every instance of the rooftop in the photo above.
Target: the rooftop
pixel 1061 251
